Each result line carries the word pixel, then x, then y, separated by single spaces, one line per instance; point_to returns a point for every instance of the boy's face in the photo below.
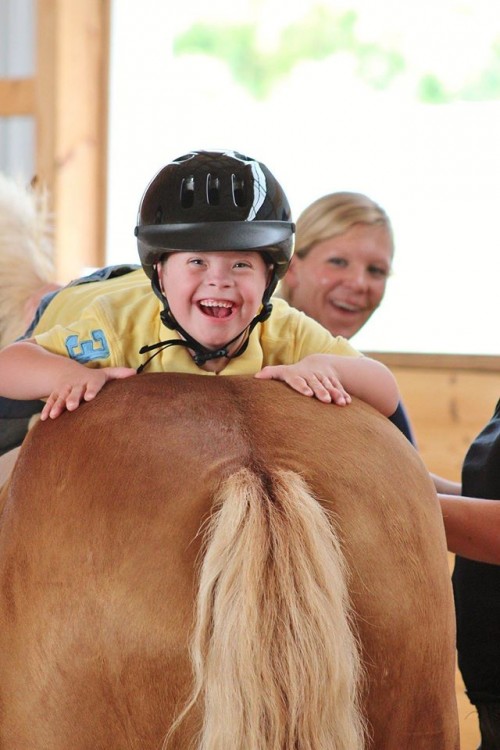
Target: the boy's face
pixel 214 295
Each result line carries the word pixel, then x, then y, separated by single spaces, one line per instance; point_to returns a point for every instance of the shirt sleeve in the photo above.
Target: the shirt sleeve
pixel 290 335
pixel 312 338
pixel 87 340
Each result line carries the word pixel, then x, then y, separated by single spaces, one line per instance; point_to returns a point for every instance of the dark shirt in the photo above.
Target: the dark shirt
pixel 477 585
pixel 400 419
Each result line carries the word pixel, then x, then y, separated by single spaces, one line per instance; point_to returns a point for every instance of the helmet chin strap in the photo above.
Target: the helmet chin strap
pixel 201 353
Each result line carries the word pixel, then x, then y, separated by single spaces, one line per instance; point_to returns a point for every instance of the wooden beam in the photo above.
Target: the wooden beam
pixel 71 97
pixel 481 362
pixel 17 97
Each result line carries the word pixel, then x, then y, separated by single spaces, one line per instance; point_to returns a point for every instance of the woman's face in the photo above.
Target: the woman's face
pixel 341 281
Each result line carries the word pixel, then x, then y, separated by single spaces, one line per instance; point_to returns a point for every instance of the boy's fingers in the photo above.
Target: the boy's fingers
pixel 115 373
pixel 323 387
pixel 69 397
pixel 270 372
pixel 321 392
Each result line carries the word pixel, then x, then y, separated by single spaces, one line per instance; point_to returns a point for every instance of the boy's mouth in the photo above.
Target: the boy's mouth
pixel 216 308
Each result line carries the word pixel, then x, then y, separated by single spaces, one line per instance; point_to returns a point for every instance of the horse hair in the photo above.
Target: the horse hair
pixel 273 617
pixel 26 253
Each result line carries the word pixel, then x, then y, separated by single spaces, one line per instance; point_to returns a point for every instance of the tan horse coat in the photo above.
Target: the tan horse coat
pixel 100 541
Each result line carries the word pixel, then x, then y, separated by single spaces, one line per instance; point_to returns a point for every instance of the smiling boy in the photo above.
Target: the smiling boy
pixel 214 238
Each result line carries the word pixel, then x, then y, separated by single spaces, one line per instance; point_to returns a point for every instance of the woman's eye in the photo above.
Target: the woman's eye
pixel 380 273
pixel 339 262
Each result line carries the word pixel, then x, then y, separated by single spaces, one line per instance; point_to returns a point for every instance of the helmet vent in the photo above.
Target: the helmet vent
pixel 187 192
pixel 213 190
pixel 239 194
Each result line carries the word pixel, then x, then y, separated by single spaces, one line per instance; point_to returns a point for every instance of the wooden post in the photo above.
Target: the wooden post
pixel 71 92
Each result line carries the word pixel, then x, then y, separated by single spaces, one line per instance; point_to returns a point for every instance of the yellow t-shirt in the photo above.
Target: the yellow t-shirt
pixel 105 323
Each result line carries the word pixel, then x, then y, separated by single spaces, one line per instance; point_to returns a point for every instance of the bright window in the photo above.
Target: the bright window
pixel 400 101
pixel 17 134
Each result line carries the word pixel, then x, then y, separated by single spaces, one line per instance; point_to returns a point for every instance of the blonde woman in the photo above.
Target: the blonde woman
pixel 343 255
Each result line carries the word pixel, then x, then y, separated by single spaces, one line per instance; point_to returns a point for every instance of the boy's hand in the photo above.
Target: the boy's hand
pixel 68 395
pixel 312 376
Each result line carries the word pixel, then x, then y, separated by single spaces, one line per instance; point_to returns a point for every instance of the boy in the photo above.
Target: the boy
pixel 214 238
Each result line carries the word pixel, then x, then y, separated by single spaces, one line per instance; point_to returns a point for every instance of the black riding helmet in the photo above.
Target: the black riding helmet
pixel 214 200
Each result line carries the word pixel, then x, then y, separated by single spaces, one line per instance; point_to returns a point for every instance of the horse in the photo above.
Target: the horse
pixel 221 563
pixel 27 270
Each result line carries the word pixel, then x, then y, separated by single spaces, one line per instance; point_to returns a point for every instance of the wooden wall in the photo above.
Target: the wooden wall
pixel 449 399
pixel 71 104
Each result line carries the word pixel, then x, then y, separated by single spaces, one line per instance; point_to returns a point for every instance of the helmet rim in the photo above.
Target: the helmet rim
pixel 214 201
pixel 275 238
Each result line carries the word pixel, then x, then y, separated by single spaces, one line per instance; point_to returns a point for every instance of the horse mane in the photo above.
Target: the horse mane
pixel 26 252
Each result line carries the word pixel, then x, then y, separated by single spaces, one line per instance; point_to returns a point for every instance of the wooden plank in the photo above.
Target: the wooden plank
pixel 46 95
pixel 436 361
pixel 17 97
pixel 73 41
pixel 447 408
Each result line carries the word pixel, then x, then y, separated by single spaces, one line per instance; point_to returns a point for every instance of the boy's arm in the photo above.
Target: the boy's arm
pixel 331 377
pixel 28 371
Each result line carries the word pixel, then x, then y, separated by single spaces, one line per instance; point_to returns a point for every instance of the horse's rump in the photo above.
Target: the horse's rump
pixel 99 549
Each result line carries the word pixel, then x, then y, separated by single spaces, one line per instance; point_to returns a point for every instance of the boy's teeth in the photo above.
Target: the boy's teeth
pixel 213 303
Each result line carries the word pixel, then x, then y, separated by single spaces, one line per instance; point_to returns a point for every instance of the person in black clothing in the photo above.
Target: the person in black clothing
pixel 476 587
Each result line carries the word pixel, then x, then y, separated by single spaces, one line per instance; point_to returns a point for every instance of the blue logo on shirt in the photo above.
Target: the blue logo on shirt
pixel 87 350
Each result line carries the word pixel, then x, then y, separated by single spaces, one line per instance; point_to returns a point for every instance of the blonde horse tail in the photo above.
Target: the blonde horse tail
pixel 26 253
pixel 276 663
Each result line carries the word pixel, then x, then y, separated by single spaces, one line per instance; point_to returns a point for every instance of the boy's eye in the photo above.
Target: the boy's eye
pixel 242 264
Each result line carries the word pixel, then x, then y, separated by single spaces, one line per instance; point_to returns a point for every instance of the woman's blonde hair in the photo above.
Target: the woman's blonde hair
pixel 332 215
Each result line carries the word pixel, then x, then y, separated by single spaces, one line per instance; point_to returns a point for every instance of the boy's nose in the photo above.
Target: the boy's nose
pixel 219 277
pixel 220 281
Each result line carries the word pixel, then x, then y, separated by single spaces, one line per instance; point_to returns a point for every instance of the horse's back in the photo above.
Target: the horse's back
pixel 100 537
